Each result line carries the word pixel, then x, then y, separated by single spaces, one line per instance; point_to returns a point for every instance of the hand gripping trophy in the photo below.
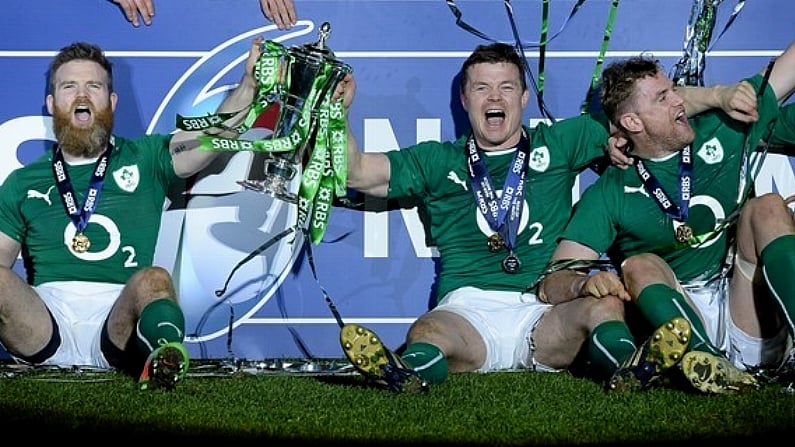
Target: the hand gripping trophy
pixel 309 135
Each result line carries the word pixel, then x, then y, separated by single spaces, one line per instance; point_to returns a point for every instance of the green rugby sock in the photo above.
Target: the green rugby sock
pixel 609 344
pixel 778 266
pixel 428 360
pixel 660 303
pixel 161 321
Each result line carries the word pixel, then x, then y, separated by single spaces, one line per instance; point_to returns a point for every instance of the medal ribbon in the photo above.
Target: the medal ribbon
pixel 80 215
pixel 502 216
pixel 678 212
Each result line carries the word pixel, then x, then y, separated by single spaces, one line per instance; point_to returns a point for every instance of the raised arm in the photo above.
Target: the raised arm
pixel 782 78
pixel 187 159
pixel 368 172
pixel 280 12
pixel 737 100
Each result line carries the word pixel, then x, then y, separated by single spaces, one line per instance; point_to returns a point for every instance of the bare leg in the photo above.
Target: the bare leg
pixel 141 289
pixel 562 331
pixel 25 324
pixel 454 336
pixel 762 220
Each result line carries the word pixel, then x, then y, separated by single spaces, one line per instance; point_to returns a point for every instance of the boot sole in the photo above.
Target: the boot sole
pixel 666 347
pixel 363 349
pixel 709 375
pixel 669 343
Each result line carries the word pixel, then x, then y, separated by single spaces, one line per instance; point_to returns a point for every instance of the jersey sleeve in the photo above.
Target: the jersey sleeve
pixel 784 129
pixel 769 112
pixel 11 221
pixel 411 168
pixel 164 164
pixel 584 138
pixel 593 220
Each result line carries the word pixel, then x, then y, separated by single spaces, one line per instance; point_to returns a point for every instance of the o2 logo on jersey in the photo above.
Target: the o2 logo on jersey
pixel 208 232
pixel 485 228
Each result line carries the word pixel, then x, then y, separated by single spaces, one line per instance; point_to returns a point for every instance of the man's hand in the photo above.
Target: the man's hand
pixel 346 89
pixel 739 101
pixel 137 10
pixel 617 147
pixel 602 284
pixel 280 12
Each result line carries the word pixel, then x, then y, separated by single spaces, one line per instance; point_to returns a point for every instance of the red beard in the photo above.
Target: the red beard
pixel 86 142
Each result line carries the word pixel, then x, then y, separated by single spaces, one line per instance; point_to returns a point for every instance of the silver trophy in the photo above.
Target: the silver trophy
pixel 307 76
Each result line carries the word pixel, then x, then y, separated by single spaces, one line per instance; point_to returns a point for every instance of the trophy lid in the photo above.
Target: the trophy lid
pixel 318 53
pixel 322 35
pixel 319 47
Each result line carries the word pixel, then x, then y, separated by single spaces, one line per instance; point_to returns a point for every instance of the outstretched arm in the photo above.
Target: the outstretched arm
pixel 186 156
pixel 368 172
pixel 782 78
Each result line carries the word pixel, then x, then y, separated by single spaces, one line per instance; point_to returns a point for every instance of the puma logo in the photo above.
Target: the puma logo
pixel 33 194
pixel 454 178
pixel 639 189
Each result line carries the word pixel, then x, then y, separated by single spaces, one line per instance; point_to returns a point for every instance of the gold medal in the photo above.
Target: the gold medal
pixel 496 243
pixel 684 233
pixel 80 243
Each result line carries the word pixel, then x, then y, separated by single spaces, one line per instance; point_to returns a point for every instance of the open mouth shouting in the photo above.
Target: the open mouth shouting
pixel 82 114
pixel 495 117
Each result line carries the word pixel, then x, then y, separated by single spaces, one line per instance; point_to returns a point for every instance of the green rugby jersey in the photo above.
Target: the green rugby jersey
pixel 617 214
pixel 436 174
pixel 784 130
pixel 123 228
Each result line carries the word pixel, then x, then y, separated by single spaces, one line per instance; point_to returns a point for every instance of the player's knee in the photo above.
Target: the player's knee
pixel 157 274
pixel 639 268
pixel 155 281
pixel 607 308
pixel 427 327
pixel 768 206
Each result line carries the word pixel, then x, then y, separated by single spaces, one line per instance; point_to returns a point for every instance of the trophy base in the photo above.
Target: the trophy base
pixel 271 188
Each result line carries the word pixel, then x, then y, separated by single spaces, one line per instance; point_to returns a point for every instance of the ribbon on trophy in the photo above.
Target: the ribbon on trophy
pixel 689 70
pixel 307 116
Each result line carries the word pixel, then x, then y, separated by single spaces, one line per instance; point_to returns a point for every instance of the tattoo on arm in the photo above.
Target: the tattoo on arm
pixel 178 149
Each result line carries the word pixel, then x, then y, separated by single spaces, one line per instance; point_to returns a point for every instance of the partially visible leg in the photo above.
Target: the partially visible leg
pixel 377 363
pixel 147 306
pixel 452 335
pixel 654 288
pixel 26 326
pixel 471 330
pixel 766 237
pixel 564 328
pixel 762 299
pixel 652 282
